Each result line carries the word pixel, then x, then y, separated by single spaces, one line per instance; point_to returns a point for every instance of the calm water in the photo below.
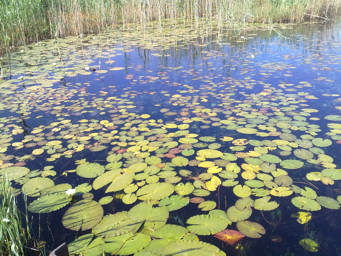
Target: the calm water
pixel 249 98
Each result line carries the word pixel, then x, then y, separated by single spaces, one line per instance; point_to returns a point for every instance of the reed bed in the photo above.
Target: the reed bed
pixel 15 231
pixel 26 21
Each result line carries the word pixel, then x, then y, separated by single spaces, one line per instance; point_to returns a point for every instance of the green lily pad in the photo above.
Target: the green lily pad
pixel 13 173
pixel 292 164
pixel 152 218
pixel 250 229
pixel 334 174
pixel 209 153
pixel 187 152
pixel 263 204
pixel 242 191
pixel 138 167
pixel 175 202
pixel 303 154
pixel 80 243
pixel 83 215
pixel 129 198
pixel 170 232
pixel 319 142
pixel 206 224
pixel 304 203
pixel 126 244
pixel 121 182
pixel 105 178
pixel 105 200
pixel 184 189
pixel 56 189
pixel 235 215
pixel 180 161
pixel 115 224
pixel 207 205
pixel 270 158
pixel 153 160
pixel 191 248
pixel 34 186
pixel 49 203
pixel 155 191
pixel 89 170
pixel 328 202
pixel 308 193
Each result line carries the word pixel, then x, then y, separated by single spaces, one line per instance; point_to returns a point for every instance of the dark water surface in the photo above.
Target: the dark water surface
pixel 253 99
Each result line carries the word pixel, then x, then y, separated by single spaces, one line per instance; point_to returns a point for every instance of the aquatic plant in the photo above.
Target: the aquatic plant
pixel 15 231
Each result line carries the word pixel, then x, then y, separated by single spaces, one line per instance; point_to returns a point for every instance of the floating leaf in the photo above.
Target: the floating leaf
pixel 129 198
pixel 83 215
pixel 250 229
pixel 292 164
pixel 207 205
pixel 235 215
pixel 175 202
pixel 281 191
pixel 328 202
pixel 90 170
pixel 191 248
pixel 105 178
pixel 49 203
pixel 303 154
pixel 126 244
pixel 155 191
pixel 80 243
pixel 270 158
pixel 13 173
pixel 304 203
pixel 180 161
pixel 34 186
pixel 209 153
pixel 213 184
pixel 184 189
pixel 319 142
pixel 170 232
pixel 229 236
pixel 242 191
pixel 120 182
pixel 206 224
pixel 263 204
pixel 105 200
pixel 138 167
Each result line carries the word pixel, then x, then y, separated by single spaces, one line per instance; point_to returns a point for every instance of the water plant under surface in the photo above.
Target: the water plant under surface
pixel 155 143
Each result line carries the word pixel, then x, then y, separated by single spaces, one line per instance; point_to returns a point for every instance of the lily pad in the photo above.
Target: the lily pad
pixel 328 202
pixel 90 170
pixel 83 215
pixel 263 204
pixel 304 203
pixel 155 191
pixel 292 164
pixel 250 229
pixel 175 202
pixel 34 186
pixel 206 224
pixel 49 203
pixel 235 215
pixel 242 191
pixel 13 173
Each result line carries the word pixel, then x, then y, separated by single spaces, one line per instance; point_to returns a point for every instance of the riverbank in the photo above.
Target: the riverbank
pixel 26 21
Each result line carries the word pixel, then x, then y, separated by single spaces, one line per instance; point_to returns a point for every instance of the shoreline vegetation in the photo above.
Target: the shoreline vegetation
pixel 26 21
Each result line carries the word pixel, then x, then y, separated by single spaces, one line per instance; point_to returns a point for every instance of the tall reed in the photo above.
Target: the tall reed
pixel 24 21
pixel 15 232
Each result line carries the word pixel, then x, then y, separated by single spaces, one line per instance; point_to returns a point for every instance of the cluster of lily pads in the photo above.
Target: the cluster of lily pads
pixel 258 147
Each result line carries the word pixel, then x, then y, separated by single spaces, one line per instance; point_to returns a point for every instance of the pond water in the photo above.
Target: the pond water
pixel 172 135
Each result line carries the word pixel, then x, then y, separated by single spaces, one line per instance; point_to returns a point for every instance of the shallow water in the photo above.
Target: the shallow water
pixel 261 95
